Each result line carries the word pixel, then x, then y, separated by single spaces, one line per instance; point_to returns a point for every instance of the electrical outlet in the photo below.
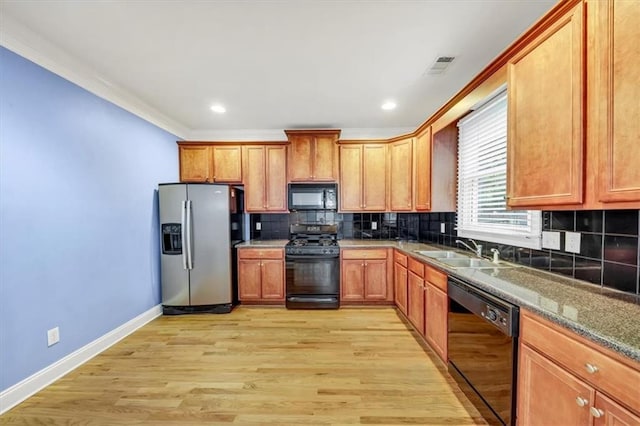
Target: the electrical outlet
pixel 374 226
pixel 53 336
pixel 551 240
pixel 572 242
pixel 443 228
pixel 258 226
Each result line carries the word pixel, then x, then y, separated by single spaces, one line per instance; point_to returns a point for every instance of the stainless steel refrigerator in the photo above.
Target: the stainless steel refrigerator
pixel 199 226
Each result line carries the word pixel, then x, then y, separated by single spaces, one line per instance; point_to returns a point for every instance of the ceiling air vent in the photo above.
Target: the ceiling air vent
pixel 440 65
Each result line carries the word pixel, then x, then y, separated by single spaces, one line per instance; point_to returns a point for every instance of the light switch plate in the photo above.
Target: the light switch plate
pixel 258 226
pixel 572 242
pixel 443 229
pixel 374 226
pixel 551 240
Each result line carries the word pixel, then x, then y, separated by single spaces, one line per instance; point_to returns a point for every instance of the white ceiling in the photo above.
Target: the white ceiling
pixel 274 64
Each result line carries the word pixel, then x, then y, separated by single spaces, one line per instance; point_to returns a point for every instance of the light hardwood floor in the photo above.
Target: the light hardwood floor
pixel 258 366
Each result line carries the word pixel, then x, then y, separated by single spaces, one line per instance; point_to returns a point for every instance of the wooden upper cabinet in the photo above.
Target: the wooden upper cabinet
pixel 265 180
pixel 363 181
pixel 422 164
pixel 227 164
pixel 208 162
pixel 313 155
pixel 195 163
pixel 614 28
pixel 374 177
pixel 401 175
pixel 545 117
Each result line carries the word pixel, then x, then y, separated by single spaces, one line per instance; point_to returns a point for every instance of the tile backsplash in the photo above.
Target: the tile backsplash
pixel 609 249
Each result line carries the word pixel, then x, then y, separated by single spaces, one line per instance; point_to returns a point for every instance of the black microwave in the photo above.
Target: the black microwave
pixel 305 196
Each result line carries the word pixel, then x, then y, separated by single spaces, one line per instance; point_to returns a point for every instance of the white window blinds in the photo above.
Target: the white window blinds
pixel 482 181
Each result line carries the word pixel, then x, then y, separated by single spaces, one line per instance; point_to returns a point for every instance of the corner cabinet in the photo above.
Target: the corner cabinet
pixel 265 178
pixel 614 97
pixel 401 175
pixel 261 275
pixel 546 117
pixel 313 155
pixel 563 379
pixel 363 177
pixel 216 163
pixel 364 276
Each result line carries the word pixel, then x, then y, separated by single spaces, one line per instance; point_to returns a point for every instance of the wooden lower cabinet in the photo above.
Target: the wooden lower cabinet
pixel 436 309
pixel 548 395
pixel 364 276
pixel 400 277
pixel 563 379
pixel 415 301
pixel 261 275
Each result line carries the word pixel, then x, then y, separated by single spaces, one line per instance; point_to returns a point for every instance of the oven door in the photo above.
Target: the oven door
pixel 313 281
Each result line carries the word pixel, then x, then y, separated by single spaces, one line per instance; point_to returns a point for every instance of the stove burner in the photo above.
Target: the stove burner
pixel 326 242
pixel 299 242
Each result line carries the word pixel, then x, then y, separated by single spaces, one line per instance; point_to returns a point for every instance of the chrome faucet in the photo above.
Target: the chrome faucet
pixel 478 247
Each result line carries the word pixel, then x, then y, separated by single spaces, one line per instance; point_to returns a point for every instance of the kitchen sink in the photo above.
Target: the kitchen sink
pixel 442 254
pixel 472 263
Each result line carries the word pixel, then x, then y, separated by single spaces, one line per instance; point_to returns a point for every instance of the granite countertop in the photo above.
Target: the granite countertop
pixel 608 317
pixel 604 316
pixel 263 244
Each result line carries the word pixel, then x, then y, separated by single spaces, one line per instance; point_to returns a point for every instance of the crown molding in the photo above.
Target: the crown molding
pixel 28 44
pixel 271 135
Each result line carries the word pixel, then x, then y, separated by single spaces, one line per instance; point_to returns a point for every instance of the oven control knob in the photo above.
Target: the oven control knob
pixel 492 315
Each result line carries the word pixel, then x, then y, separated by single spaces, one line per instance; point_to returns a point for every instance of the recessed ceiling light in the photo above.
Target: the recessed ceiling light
pixel 388 106
pixel 218 108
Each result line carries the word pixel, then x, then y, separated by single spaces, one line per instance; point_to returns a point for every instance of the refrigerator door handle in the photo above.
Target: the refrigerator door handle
pixel 183 235
pixel 189 236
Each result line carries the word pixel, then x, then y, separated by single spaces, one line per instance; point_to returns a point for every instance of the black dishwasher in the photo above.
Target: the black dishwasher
pixel 482 344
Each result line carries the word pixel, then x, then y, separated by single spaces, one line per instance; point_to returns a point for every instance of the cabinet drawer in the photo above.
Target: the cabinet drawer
pixel 364 253
pixel 265 253
pixel 400 258
pixel 435 277
pixel 613 377
pixel 416 267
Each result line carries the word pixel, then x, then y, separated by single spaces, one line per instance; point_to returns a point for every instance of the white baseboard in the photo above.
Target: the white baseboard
pixel 17 393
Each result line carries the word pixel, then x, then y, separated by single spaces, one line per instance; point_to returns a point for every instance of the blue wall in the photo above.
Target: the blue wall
pixel 78 217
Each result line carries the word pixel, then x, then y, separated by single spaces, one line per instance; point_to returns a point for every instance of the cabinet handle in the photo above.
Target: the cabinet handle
pixel 581 401
pixel 591 369
pixel 596 412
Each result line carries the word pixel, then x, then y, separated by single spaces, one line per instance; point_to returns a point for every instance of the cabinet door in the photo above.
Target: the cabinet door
pixel 436 319
pixel 610 413
pixel 272 279
pixel 300 158
pixel 374 179
pixel 249 279
pixel 352 283
pixel 545 123
pixel 227 164
pixel 415 301
pixel 195 163
pixel 548 395
pixel 276 178
pixel 351 177
pixel 422 164
pixel 401 175
pixel 400 284
pixel 254 173
pixel 375 280
pixel 616 105
pixel 325 158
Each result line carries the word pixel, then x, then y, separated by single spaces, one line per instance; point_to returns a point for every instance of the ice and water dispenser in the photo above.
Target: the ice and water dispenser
pixel 171 238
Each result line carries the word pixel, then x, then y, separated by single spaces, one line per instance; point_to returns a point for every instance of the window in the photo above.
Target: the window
pixel 482 181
